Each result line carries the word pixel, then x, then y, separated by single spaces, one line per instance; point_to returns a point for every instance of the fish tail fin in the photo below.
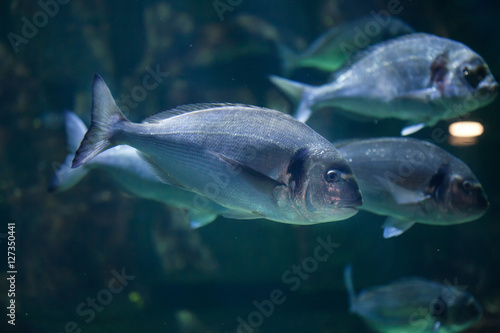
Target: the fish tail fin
pixel 106 115
pixel 297 92
pixel 350 287
pixel 289 58
pixel 64 176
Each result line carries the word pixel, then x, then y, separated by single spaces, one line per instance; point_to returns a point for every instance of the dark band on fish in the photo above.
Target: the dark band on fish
pixel 437 181
pixel 296 168
pixel 439 70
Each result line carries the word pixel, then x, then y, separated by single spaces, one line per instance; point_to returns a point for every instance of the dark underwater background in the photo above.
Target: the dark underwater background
pixel 69 245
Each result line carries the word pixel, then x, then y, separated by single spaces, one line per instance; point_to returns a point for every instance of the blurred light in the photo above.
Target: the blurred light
pixel 466 129
pixel 136 298
pixel 465 133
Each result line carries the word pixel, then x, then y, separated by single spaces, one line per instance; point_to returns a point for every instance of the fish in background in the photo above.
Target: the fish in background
pixel 260 162
pixel 179 248
pixel 334 47
pixel 132 173
pixel 413 181
pixel 412 305
pixel 419 78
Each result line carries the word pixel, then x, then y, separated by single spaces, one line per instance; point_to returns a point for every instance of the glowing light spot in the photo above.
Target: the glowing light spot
pixel 466 129
pixel 136 298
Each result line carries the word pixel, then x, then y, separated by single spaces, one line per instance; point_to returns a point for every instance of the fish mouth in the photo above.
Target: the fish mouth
pixel 488 90
pixel 350 204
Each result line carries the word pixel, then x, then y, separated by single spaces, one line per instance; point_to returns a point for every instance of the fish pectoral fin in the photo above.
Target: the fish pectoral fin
pixel 243 215
pixel 261 181
pixel 410 129
pixel 402 195
pixel 159 172
pixel 394 226
pixel 435 328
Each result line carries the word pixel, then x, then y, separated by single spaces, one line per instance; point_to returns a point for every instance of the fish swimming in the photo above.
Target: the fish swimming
pixel 334 47
pixel 419 78
pixel 413 181
pixel 260 162
pixel 414 305
pixel 133 174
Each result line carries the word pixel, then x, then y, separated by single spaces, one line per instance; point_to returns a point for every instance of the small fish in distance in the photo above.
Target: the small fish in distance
pixel 419 78
pixel 132 173
pixel 414 305
pixel 334 47
pixel 260 162
pixel 413 181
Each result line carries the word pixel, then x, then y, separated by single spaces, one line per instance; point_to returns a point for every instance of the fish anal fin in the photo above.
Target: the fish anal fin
pixel 394 226
pixel 243 215
pixel 198 219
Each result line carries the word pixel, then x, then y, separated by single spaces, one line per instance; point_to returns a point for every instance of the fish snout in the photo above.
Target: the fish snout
pixel 483 202
pixel 488 90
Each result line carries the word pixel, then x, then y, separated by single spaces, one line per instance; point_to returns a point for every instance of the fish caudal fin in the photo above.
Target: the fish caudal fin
pixel 350 287
pixel 297 92
pixel 105 116
pixel 288 57
pixel 64 176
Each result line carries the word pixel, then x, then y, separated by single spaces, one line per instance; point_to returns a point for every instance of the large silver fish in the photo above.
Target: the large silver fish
pixel 255 160
pixel 334 47
pixel 420 78
pixel 133 174
pixel 413 181
pixel 414 305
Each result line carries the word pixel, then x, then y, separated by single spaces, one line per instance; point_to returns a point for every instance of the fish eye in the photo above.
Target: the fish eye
pixel 474 77
pixel 467 185
pixel 332 176
pixel 437 307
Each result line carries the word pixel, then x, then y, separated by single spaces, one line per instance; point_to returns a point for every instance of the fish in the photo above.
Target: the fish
pixel 414 304
pixel 132 174
pixel 335 46
pixel 419 78
pixel 261 162
pixel 413 181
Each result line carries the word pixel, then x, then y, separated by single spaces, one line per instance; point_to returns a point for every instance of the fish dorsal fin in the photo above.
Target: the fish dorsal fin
pixel 190 108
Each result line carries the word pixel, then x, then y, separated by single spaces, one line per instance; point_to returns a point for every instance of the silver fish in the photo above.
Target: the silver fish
pixel 334 47
pixel 258 161
pixel 132 173
pixel 420 78
pixel 414 305
pixel 413 181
